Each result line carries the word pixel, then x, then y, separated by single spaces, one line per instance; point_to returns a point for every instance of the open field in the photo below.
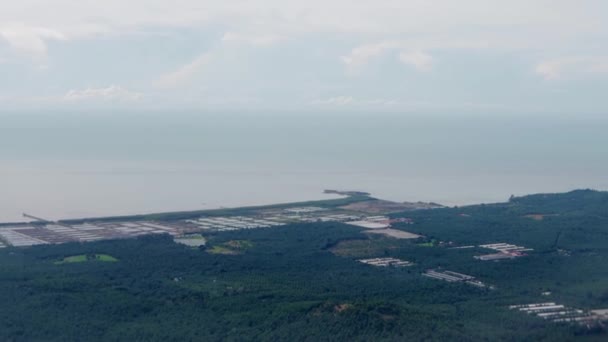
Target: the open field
pixel 232 247
pixel 86 258
pixel 364 247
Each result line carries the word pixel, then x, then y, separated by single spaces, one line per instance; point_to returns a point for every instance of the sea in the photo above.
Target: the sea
pixel 83 164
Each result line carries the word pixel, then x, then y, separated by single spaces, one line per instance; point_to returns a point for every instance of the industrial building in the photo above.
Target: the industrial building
pixel 505 251
pixel 505 247
pixel 386 262
pixel 559 313
pixel 233 223
pixel 54 233
pixel 453 277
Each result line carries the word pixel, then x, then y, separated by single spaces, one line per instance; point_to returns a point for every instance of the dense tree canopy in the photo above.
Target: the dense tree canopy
pixel 303 282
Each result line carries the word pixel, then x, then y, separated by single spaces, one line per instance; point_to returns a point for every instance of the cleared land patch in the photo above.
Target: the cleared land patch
pixel 86 257
pixel 363 248
pixel 191 240
pixel 232 247
pixel 398 234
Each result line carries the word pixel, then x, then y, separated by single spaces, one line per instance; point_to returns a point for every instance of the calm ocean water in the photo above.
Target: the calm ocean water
pixel 82 165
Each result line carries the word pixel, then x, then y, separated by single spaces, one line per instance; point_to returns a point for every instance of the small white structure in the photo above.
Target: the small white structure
pixel 369 224
pixel 558 313
pixel 386 262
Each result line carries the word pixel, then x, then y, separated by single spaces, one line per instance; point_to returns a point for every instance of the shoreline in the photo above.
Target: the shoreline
pixel 339 198
pixel 211 211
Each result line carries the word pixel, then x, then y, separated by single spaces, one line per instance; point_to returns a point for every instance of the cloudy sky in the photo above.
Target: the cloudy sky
pixel 541 56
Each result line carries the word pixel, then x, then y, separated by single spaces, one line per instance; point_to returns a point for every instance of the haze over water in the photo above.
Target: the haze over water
pixel 84 165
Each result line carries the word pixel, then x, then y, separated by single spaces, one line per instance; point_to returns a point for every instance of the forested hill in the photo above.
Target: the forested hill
pixel 577 201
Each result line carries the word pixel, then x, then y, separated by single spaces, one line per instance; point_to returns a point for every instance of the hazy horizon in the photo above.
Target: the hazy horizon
pixel 57 166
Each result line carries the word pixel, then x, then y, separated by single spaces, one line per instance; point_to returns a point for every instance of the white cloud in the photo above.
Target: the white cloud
pixel 184 73
pixel 29 40
pixel 361 55
pixel 409 33
pixel 419 59
pixel 256 40
pixel 110 93
pixel 558 68
pixel 388 16
pixel 539 21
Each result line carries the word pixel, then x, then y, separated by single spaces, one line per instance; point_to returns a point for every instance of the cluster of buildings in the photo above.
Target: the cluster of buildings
pixel 453 277
pixel 386 262
pixel 272 218
pixel 19 237
pixel 559 313
pixel 504 251
pixel 233 223
pixel 55 233
pixel 46 232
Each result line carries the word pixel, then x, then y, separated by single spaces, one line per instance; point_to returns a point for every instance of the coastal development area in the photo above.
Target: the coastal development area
pixel 363 213
pixel 414 239
pixel 55 233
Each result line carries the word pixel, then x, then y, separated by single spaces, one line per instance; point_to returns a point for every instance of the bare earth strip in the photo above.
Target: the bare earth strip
pixel 399 234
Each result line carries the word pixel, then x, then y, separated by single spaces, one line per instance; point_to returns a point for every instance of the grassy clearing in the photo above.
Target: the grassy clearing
pixel 231 247
pixel 364 248
pixel 86 257
pixel 222 250
pixel 431 243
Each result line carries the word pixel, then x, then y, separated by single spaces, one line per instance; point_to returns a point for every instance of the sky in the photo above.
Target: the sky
pixel 445 56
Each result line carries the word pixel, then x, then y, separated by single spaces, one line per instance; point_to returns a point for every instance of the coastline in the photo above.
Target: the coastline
pixel 333 200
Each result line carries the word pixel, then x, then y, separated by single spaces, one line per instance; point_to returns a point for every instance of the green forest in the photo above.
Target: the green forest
pixel 302 282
